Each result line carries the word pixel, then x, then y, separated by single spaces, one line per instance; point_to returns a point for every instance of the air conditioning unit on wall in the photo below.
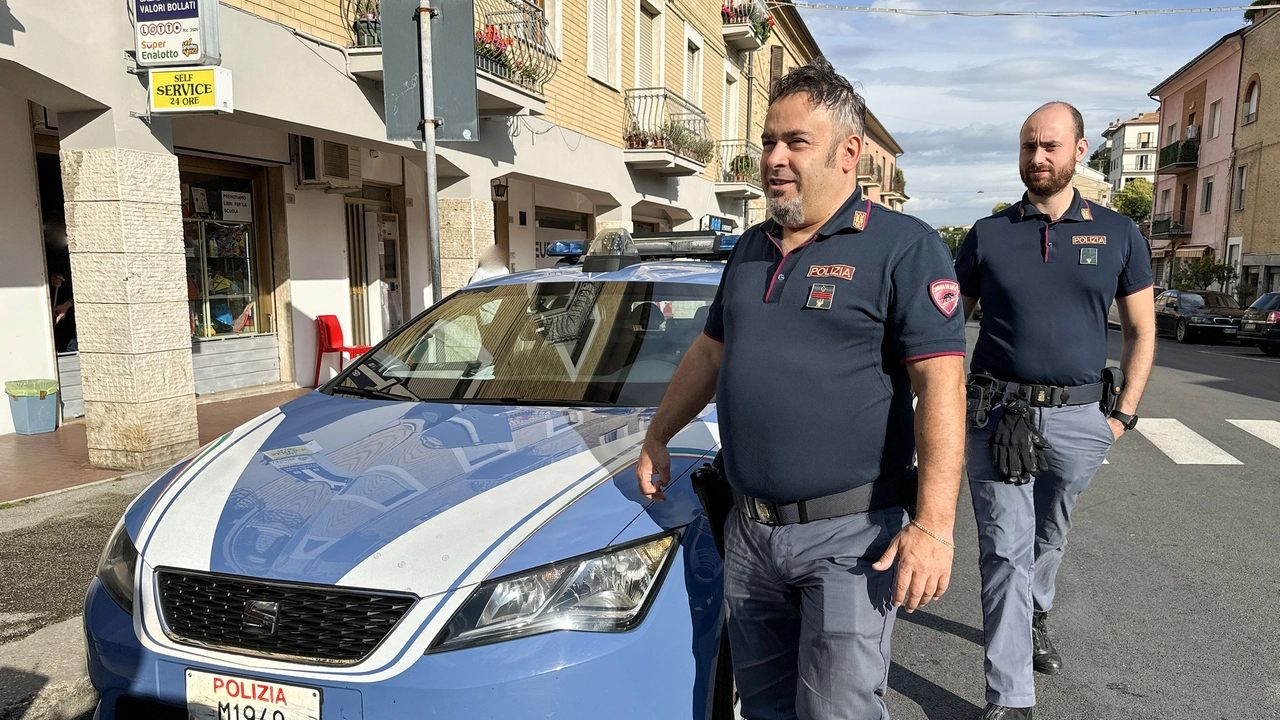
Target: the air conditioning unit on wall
pixel 325 164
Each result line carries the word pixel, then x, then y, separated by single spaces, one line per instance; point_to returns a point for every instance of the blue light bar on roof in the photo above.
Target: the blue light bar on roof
pixel 728 242
pixel 567 248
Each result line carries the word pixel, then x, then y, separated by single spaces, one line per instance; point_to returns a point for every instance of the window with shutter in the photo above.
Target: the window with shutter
pixel 600 45
pixel 645 74
pixel 693 75
pixel 775 65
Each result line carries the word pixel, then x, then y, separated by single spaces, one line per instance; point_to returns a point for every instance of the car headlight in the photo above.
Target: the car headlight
pixel 1197 320
pixel 117 566
pixel 607 591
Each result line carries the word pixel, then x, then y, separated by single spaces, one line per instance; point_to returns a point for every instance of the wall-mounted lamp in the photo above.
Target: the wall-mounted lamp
pixel 499 188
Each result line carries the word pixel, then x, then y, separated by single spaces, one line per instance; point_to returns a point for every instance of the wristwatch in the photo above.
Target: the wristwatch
pixel 1128 421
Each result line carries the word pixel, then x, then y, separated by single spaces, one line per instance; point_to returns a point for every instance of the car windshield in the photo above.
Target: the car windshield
pixel 1211 300
pixel 597 343
pixel 1270 301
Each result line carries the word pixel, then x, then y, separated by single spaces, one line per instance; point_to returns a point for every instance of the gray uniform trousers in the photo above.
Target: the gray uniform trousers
pixel 1022 535
pixel 809 618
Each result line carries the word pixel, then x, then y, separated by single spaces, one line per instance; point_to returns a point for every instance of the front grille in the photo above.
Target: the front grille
pixel 313 623
pixel 1224 321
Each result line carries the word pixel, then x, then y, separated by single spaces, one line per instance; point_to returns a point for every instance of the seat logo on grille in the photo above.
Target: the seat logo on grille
pixel 261 616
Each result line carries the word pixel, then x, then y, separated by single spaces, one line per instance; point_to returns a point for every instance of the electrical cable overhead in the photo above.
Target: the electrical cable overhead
pixel 919 12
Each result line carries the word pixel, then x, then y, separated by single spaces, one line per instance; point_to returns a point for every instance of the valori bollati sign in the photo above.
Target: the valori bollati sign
pixel 191 90
pixel 176 32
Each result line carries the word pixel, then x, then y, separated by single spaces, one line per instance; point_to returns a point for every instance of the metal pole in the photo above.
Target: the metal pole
pixel 429 120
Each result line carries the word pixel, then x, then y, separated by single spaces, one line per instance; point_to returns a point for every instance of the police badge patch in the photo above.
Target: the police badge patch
pixel 945 295
pixel 1089 256
pixel 820 296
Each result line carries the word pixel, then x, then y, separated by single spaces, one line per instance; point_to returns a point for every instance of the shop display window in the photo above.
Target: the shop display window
pixel 218 239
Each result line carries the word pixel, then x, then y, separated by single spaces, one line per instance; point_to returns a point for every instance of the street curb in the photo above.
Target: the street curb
pixel 59 491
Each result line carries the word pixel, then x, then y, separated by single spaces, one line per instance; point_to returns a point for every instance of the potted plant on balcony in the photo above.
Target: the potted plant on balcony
pixel 742 167
pixel 367 23
pixel 702 149
pixel 636 138
pixel 492 47
pixel 674 137
pixel 763 27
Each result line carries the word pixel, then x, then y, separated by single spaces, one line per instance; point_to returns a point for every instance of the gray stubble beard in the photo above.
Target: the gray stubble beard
pixel 787 213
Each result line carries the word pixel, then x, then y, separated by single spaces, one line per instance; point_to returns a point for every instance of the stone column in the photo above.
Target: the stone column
pixel 124 223
pixel 466 229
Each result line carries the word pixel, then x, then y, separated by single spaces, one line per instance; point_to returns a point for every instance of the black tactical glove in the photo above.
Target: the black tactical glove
pixel 1016 445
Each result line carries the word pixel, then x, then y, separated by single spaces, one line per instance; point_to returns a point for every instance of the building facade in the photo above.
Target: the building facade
pixel 1134 150
pixel 1193 174
pixel 201 251
pixel 1092 184
pixel 1254 230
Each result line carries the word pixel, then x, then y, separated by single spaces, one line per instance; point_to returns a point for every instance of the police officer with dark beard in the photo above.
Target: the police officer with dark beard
pixel 1043 409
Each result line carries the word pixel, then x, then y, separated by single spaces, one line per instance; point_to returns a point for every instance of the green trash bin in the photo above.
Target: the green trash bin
pixel 34 405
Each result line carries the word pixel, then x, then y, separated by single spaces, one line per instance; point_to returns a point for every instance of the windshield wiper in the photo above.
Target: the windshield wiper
pixel 372 393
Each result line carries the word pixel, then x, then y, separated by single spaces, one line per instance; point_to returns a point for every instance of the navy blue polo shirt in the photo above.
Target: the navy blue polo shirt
pixel 813 395
pixel 1046 286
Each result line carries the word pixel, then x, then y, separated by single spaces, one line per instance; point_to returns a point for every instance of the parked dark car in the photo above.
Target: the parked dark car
pixel 1199 314
pixel 1113 315
pixel 1261 324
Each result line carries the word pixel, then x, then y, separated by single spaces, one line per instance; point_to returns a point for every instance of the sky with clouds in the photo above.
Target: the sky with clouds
pixel 953 91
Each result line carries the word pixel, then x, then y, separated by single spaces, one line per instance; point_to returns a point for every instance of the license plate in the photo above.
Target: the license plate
pixel 1251 326
pixel 214 696
pixel 1230 331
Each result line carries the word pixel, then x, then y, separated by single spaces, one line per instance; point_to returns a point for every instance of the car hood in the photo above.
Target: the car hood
pixel 1218 312
pixel 423 497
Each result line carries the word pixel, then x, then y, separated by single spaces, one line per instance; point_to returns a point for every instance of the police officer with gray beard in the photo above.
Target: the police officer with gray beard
pixel 1043 409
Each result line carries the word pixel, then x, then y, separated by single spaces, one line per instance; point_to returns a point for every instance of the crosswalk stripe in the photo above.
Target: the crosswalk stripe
pixel 1183 445
pixel 1266 430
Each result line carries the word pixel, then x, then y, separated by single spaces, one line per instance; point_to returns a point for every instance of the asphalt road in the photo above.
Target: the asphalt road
pixel 1166 599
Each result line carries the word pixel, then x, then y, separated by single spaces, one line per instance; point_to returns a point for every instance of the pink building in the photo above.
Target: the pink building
pixel 1193 173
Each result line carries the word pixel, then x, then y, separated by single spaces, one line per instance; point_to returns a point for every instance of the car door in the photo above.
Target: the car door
pixel 1163 311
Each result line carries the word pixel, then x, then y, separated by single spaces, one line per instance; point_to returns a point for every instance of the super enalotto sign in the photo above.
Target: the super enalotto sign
pixel 176 32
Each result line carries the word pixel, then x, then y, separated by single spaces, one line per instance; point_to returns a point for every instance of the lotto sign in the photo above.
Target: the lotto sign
pixel 176 32
pixel 191 90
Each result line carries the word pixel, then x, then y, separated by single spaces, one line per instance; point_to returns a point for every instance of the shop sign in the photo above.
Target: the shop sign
pixel 176 32
pixel 237 206
pixel 717 224
pixel 191 90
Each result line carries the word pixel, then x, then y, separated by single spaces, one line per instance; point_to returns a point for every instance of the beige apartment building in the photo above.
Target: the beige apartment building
pixel 1254 218
pixel 201 250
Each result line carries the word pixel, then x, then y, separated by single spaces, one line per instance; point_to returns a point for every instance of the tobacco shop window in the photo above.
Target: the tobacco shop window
pixel 218 239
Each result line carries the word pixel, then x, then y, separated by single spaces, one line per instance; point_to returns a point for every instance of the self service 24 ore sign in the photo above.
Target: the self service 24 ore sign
pixel 176 32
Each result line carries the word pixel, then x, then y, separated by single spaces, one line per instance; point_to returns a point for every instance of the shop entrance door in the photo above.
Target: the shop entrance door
pixel 382 230
pixel 365 268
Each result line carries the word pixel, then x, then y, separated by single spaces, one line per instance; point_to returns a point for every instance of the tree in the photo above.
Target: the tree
pixel 1000 207
pixel 953 236
pixel 1201 273
pixel 1100 160
pixel 1134 200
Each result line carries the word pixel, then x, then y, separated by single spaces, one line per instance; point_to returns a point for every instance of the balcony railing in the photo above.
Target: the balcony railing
pixel 512 39
pixel 1250 118
pixel 898 184
pixel 513 43
pixel 1180 154
pixel 869 173
pixel 364 22
pixel 1148 145
pixel 740 162
pixel 1168 223
pixel 753 14
pixel 658 119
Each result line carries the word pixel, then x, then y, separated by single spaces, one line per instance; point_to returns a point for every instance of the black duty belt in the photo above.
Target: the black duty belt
pixel 1046 395
pixel 897 490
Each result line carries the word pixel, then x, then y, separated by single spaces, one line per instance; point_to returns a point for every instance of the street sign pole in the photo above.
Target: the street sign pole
pixel 425 14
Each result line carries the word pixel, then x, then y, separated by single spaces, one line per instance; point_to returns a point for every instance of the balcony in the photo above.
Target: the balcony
pixel 897 188
pixel 666 134
pixel 869 173
pixel 1170 225
pixel 1135 146
pixel 739 176
pixel 745 24
pixel 1179 157
pixel 514 55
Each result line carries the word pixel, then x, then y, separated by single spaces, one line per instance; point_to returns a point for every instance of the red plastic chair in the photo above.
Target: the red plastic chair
pixel 329 340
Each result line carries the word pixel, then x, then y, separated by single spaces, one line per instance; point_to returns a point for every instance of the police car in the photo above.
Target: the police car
pixel 449 528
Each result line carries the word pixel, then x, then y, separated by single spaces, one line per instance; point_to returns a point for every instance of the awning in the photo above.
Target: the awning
pixel 1193 251
pixel 1158 248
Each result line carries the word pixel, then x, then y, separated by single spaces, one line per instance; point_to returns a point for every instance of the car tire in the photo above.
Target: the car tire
pixel 1183 333
pixel 1270 350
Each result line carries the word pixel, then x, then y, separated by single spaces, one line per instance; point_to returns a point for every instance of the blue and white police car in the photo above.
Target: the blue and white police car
pixel 450 528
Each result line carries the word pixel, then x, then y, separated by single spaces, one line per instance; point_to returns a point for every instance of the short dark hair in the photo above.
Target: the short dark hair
pixel 827 88
pixel 1076 117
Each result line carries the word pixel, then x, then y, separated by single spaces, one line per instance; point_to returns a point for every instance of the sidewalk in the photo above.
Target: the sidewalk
pixel 36 464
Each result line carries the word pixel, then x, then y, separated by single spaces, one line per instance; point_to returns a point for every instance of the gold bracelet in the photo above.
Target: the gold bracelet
pixel 931 534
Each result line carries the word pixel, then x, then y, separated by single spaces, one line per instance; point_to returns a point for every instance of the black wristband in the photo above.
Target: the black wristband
pixel 1129 421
